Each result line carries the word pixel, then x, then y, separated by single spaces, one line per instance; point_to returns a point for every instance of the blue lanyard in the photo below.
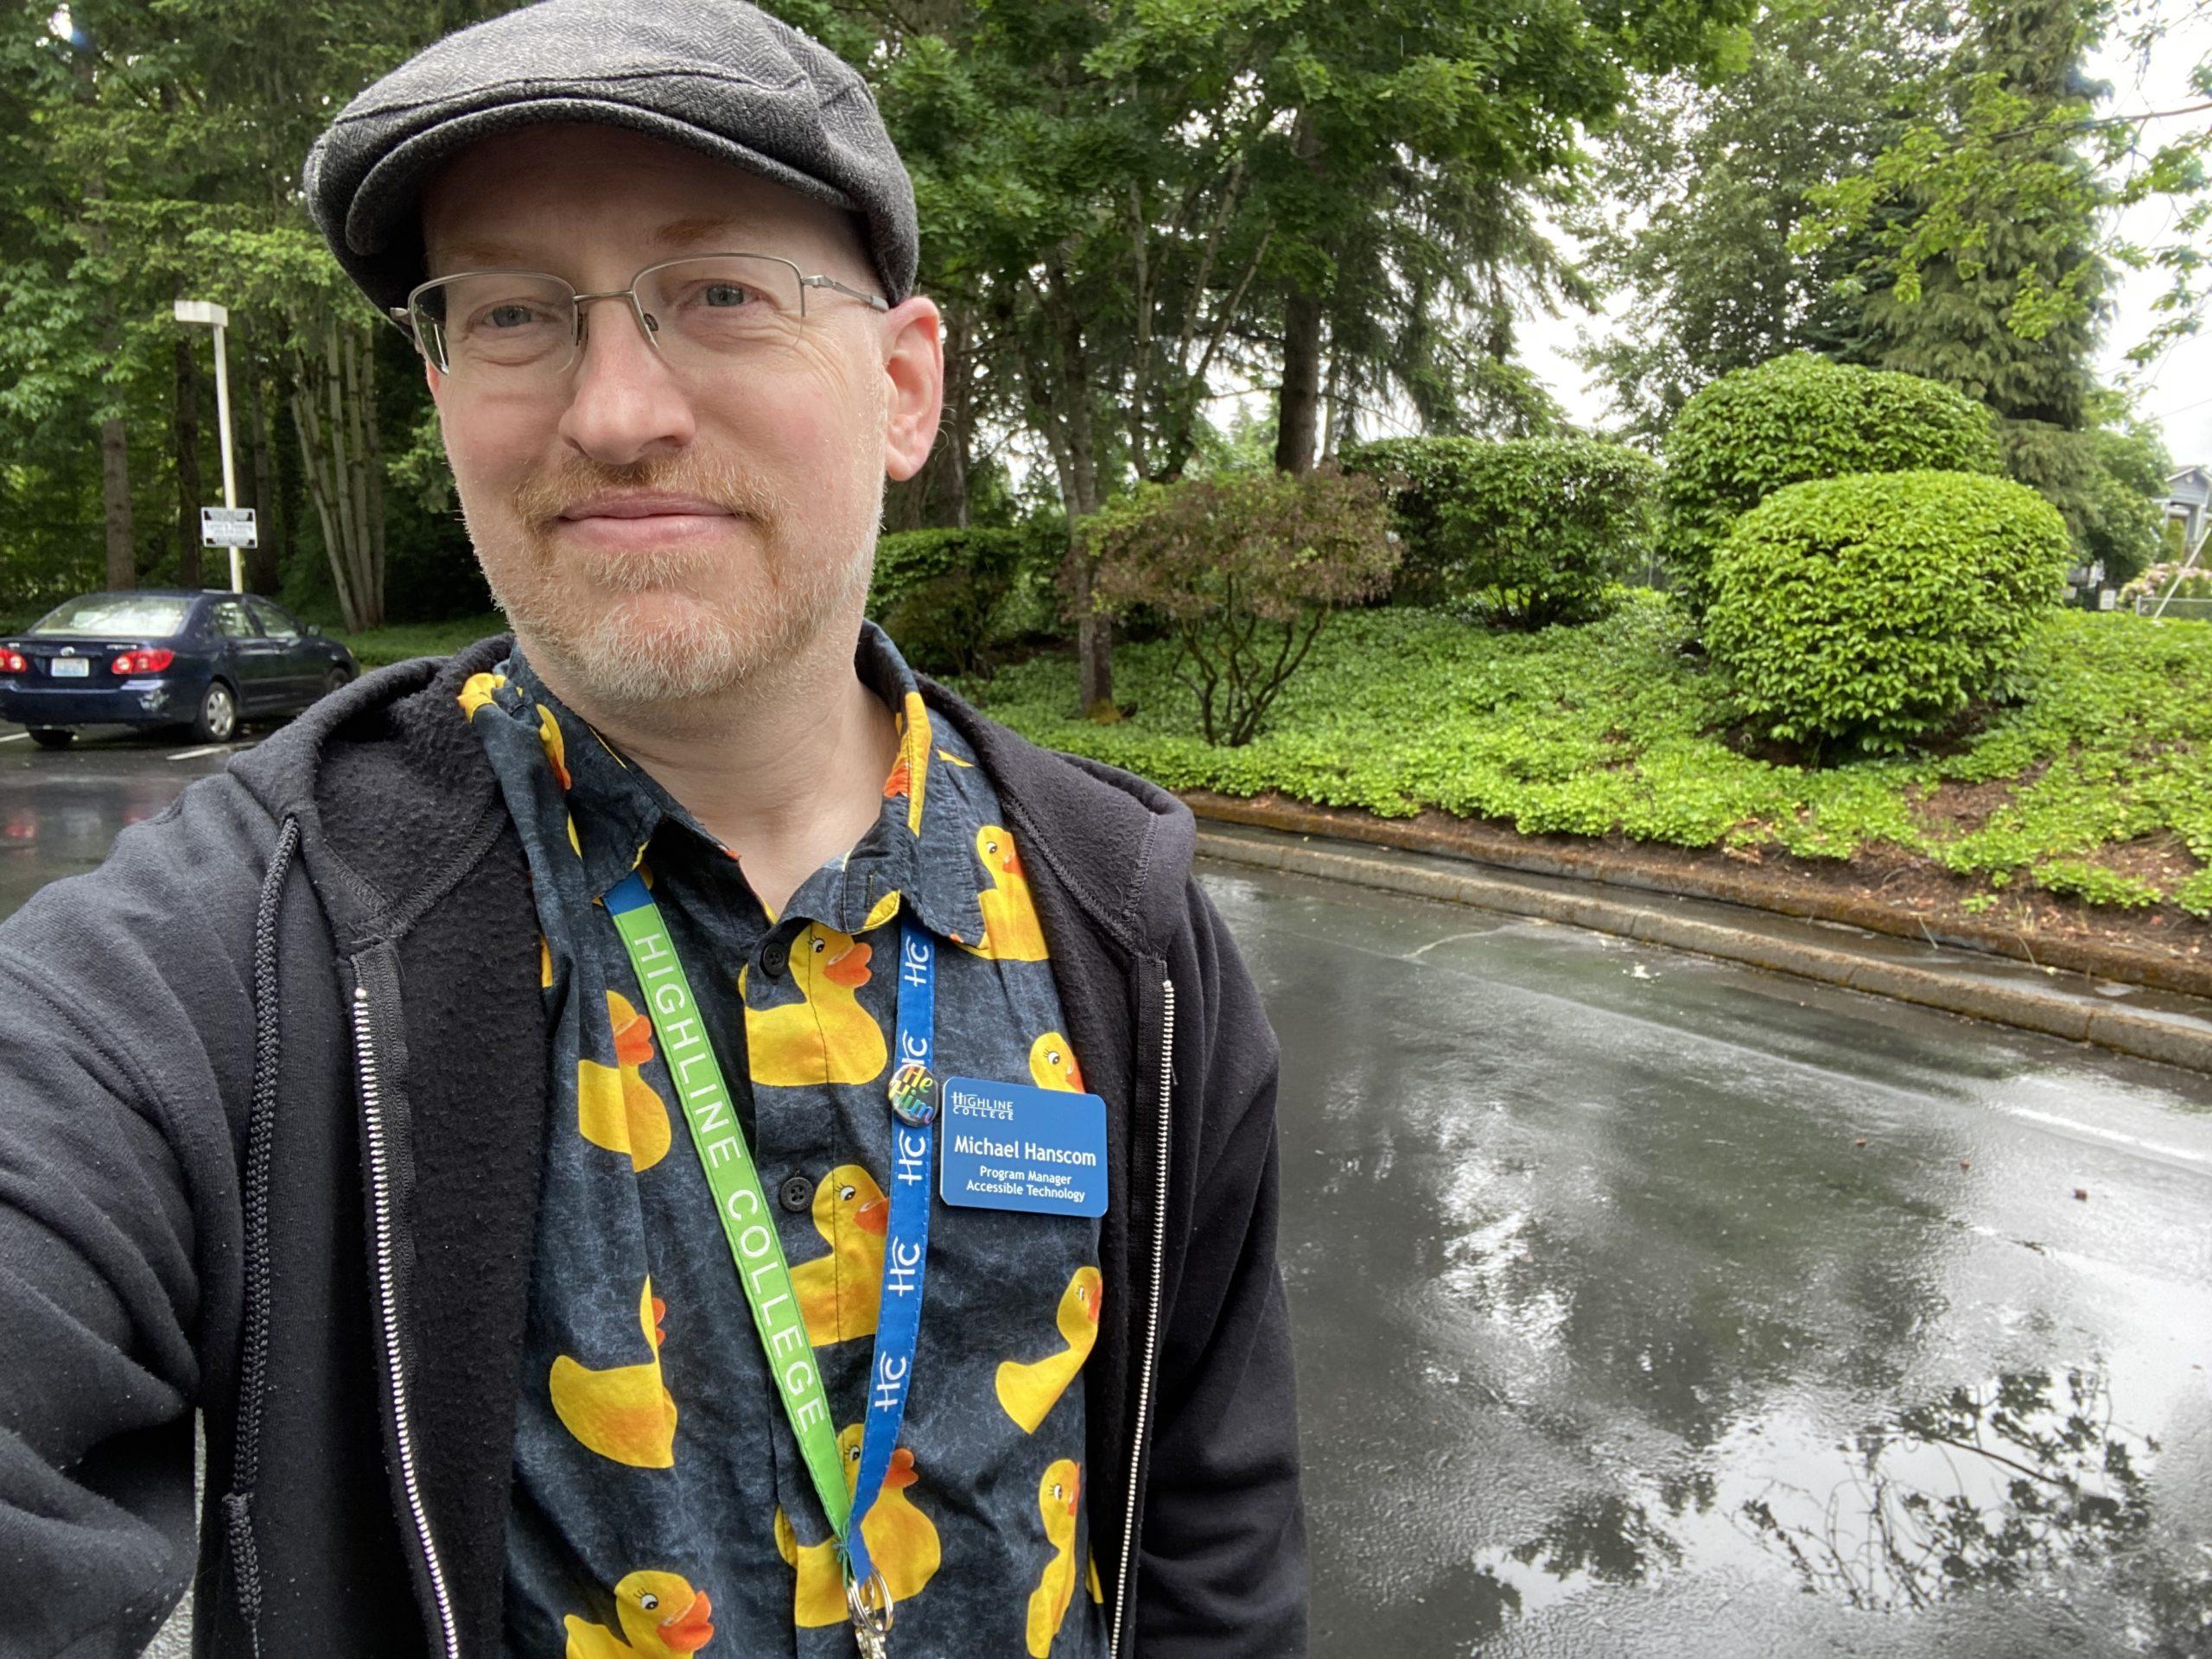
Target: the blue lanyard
pixel 906 1234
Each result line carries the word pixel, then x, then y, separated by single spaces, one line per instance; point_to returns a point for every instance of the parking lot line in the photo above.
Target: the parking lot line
pixel 14 737
pixel 205 748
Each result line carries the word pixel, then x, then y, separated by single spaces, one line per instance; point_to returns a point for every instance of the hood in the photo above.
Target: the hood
pixel 393 737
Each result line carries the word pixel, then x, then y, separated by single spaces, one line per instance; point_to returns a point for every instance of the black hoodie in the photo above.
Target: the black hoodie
pixel 271 1096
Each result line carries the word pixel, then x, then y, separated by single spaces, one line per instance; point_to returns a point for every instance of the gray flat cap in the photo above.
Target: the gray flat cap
pixel 719 76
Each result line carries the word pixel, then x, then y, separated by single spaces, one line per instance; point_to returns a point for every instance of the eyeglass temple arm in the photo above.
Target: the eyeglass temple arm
pixel 875 302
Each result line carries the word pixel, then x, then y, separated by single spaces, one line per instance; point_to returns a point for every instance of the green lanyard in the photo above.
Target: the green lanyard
pixel 739 1199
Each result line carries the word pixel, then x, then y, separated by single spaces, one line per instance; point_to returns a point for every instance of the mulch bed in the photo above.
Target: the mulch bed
pixel 1882 889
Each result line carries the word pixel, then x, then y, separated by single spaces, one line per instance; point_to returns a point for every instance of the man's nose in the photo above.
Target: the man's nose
pixel 625 403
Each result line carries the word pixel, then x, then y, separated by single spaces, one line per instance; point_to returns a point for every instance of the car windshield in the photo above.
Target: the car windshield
pixel 140 615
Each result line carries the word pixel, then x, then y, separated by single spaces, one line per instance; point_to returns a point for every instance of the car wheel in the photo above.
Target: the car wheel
pixel 53 737
pixel 217 720
pixel 335 680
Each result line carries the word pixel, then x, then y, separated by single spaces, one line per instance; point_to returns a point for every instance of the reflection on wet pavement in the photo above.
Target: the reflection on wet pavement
pixel 60 811
pixel 1650 1306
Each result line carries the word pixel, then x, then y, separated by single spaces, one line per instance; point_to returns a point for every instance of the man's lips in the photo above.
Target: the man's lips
pixel 644 506
pixel 617 525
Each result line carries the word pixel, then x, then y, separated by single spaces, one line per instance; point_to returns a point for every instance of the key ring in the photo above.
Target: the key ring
pixel 871 1624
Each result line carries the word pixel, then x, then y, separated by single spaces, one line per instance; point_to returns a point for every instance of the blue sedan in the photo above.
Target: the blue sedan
pixel 165 657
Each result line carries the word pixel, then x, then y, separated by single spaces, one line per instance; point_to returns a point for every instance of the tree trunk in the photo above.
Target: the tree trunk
pixel 1073 439
pixel 1301 383
pixel 333 410
pixel 1333 409
pixel 115 445
pixel 188 485
pixel 265 569
pixel 371 467
pixel 115 502
pixel 1302 339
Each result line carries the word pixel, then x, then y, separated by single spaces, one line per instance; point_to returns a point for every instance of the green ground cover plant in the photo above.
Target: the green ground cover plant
pixel 2105 750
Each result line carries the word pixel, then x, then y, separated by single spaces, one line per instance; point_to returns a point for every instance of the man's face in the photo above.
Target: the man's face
pixel 657 530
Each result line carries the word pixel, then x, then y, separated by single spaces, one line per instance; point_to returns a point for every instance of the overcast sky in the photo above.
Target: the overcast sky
pixel 2176 391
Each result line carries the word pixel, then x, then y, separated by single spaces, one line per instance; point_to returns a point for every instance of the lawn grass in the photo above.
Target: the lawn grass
pixel 2092 778
pixel 380 647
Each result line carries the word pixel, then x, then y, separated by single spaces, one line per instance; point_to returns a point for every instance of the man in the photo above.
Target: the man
pixel 497 1104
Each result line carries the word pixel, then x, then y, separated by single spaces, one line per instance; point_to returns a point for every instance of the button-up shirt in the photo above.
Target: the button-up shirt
pixel 661 1504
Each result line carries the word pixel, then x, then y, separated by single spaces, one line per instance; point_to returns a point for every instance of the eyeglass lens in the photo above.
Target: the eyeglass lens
pixel 511 326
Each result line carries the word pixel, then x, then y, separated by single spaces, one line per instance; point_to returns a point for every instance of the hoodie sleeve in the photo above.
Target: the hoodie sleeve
pixel 1224 1568
pixel 128 1026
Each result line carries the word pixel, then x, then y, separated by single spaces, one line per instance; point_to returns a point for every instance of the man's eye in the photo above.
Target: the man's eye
pixel 726 294
pixel 516 315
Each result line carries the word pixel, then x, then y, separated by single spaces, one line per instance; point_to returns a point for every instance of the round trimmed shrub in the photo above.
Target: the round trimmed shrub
pixel 1793 419
pixel 1868 610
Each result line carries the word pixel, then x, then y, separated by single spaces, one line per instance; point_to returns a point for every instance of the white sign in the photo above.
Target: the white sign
pixel 227 527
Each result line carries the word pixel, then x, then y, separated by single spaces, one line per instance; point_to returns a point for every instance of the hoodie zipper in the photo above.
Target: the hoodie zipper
pixel 1151 1312
pixel 387 1310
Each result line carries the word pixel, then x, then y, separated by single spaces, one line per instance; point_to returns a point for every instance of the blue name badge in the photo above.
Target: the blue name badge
pixel 1012 1146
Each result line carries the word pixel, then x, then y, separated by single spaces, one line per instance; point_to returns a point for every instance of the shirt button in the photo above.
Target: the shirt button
pixel 775 957
pixel 797 1192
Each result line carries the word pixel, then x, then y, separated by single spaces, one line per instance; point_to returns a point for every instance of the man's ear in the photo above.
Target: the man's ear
pixel 913 367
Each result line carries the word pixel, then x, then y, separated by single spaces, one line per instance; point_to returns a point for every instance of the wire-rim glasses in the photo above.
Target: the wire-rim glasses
pixel 514 328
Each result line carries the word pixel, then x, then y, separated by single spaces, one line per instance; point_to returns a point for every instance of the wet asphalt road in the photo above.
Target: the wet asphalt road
pixel 60 810
pixel 1615 1340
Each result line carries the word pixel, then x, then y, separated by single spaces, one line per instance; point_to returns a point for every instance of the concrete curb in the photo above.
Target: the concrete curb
pixel 1489 846
pixel 2183 1038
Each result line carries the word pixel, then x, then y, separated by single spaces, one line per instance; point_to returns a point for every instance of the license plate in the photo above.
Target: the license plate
pixel 71 668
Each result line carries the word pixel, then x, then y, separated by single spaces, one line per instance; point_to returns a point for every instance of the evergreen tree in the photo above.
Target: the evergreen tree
pixel 1698 188
pixel 2009 313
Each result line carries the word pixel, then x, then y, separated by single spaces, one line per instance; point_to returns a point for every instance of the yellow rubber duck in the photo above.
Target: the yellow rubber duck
pixel 1011 931
pixel 826 1036
pixel 660 1614
pixel 1029 1392
pixel 837 1292
pixel 1057 1497
pixel 1051 1065
pixel 625 1414
pixel 901 1541
pixel 616 1108
pixel 477 692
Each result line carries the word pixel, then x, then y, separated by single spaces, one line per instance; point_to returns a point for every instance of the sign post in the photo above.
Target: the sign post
pixel 218 318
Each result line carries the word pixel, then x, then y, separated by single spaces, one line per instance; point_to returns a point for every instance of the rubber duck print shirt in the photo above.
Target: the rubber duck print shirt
pixel 660 1502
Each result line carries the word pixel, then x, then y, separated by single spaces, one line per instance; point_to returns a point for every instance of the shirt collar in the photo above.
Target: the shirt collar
pixel 921 846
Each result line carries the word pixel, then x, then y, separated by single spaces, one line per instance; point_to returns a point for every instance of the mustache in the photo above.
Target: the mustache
pixel 544 496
